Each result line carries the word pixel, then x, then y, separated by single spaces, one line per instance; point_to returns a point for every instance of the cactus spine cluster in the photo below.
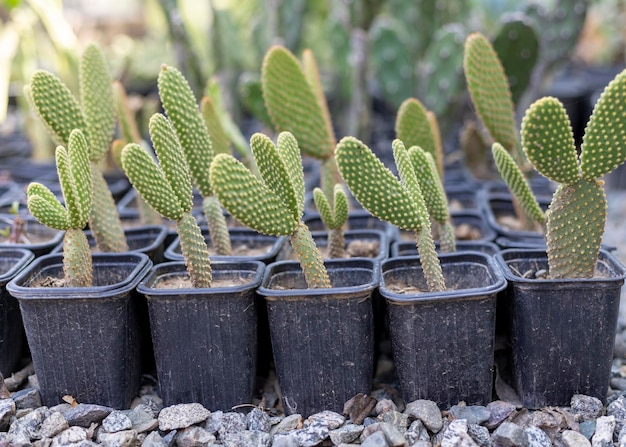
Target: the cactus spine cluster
pixel 273 204
pixel 74 172
pixel 399 202
pixel 166 186
pixel 576 218
pixel 182 110
pixel 95 117
pixel 334 218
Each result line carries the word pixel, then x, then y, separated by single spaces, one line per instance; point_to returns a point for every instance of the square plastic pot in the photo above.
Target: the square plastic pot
pixel 443 342
pixel 357 220
pixel 562 330
pixel 405 248
pixel 84 341
pixel 322 338
pixel 47 238
pixel 11 327
pixel 205 339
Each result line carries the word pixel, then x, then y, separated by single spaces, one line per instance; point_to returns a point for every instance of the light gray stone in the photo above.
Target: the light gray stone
pixel 537 437
pixel 421 444
pixel 116 421
pixel 7 409
pixel 573 438
pixel 509 434
pixel 603 437
pixel 142 419
pixel 153 440
pixel 617 408
pixel 392 435
pixel 72 435
pixel 312 434
pixel 457 435
pixel 384 405
pixel 586 407
pixel 126 438
pixel 499 410
pixel 19 436
pixel 416 432
pixel 426 411
pixel 480 435
pixel 285 440
pixel 33 421
pixel 345 434
pixel 182 416
pixel 194 437
pixel 587 428
pixel 53 425
pixel 287 424
pixel 247 438
pixel 376 439
pixel 27 398
pixel 330 419
pixel 258 420
pixel 83 415
pixel 395 418
pixel 231 423
pixel 473 414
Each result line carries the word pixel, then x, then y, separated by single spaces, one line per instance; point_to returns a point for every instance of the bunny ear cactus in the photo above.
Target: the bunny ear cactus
pixel 95 117
pixel 73 168
pixel 181 108
pixel 273 204
pixel 166 187
pixel 334 218
pixel 399 202
pixel 295 101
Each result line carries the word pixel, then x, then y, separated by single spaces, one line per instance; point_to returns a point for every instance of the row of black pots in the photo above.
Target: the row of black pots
pixel 322 339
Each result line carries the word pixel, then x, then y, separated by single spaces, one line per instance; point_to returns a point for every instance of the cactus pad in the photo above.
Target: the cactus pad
pixel 219 138
pixel 430 184
pixel 413 126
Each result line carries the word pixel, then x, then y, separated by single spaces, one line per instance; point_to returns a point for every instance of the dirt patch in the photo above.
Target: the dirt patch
pixel 184 282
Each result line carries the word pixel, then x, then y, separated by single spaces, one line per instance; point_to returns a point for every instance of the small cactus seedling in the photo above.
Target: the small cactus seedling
pixel 273 204
pixel 73 168
pixel 181 108
pixel 334 218
pixel 399 202
pixel 295 100
pixel 95 117
pixel 166 187
pixel 576 218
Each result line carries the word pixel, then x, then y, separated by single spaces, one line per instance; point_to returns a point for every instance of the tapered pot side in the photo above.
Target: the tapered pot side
pixel 322 338
pixel 443 341
pixel 12 261
pixel 579 316
pixel 205 339
pixel 84 341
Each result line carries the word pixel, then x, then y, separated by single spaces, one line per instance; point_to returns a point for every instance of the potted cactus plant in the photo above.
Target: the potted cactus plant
pixel 569 296
pixel 209 303
pixel 421 300
pixel 329 302
pixel 79 309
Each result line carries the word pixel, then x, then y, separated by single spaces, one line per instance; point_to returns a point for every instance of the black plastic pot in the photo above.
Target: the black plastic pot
pixel 472 218
pixel 11 328
pixel 205 339
pixel 405 248
pixel 84 340
pixel 242 237
pixel 562 331
pixel 443 342
pixel 47 238
pixel 322 338
pixel 462 196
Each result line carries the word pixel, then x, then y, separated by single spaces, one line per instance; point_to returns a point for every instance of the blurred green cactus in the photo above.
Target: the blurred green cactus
pixel 74 170
pixel 334 218
pixel 399 202
pixel 273 204
pixel 576 218
pixel 95 117
pixel 191 128
pixel 167 188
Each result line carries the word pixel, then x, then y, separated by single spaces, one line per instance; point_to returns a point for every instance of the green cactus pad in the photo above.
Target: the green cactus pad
pixel 488 87
pixel 516 182
pixel 97 101
pixel 309 257
pixel 172 160
pixel 195 251
pixel 43 204
pixel 430 184
pixel 104 220
pixel 248 199
pixel 274 172
pixel 218 228
pixel 77 262
pixel 182 110
pixel 292 160
pixel 323 207
pixel 312 74
pixel 56 106
pixel 128 125
pixel 604 142
pixel 293 105
pixel 575 227
pixel 340 206
pixel 81 170
pixel 548 141
pixel 150 181
pixel 374 186
pixel 70 190
pixel 429 260
pixel 413 126
pixel 219 138
pixel 409 179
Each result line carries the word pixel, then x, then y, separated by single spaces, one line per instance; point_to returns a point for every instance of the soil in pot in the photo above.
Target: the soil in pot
pixel 33 236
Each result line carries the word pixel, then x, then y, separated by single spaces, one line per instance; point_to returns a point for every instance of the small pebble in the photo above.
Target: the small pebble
pixel 182 416
pixel 194 436
pixel 427 411
pixel 537 437
pixel 27 398
pixel 603 437
pixel 346 434
pixel 573 438
pixel 509 434
pixel 53 425
pixel 116 421
pixel 586 407
pixel 473 414
pixel 83 415
pixel 499 410
pixel 258 420
pixel 587 428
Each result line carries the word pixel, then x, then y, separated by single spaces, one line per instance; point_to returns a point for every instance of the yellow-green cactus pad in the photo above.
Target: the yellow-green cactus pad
pixel 430 184
pixel 575 227
pixel 182 110
pixel 374 186
pixel 604 142
pixel 414 128
pixel 516 182
pixel 309 257
pixel 56 106
pixel 75 209
pixel 340 206
pixel 293 105
pixel 312 74
pixel 77 262
pixel 292 160
pixel 248 199
pixel 97 101
pixel 219 138
pixel 409 179
pixel 43 204
pixel 323 207
pixel 128 125
pixel 195 251
pixel 489 89
pixel 548 141
pixel 78 152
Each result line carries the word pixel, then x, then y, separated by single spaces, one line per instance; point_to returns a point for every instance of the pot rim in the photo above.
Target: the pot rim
pixel 22 256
